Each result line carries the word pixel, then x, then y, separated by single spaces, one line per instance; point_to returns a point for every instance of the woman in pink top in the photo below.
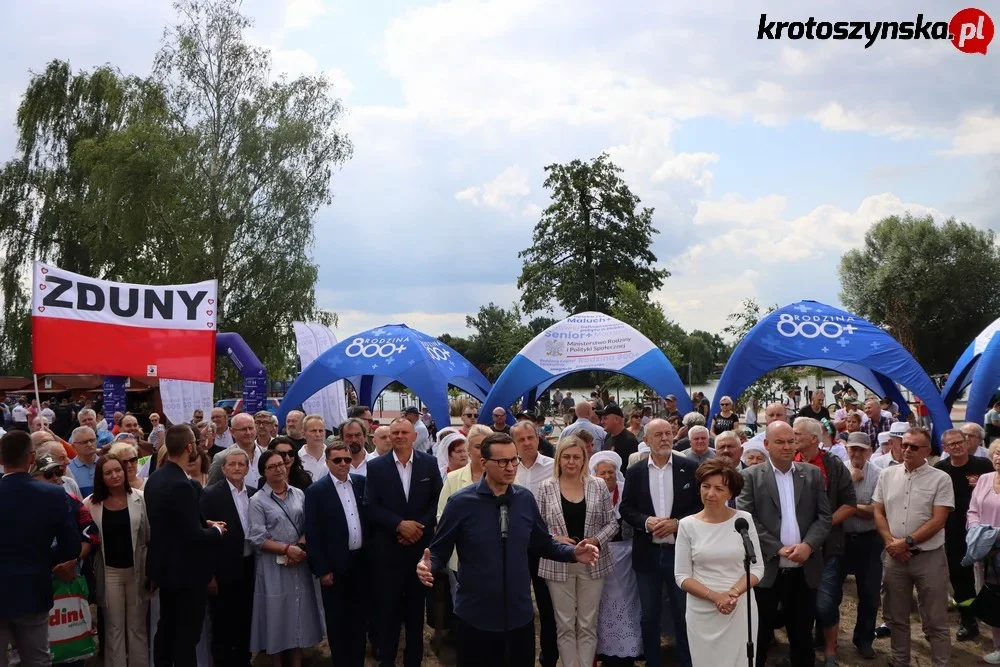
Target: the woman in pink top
pixel 985 509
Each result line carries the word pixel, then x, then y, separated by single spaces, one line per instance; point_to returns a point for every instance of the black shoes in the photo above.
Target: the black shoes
pixel 866 651
pixel 967 632
pixel 882 631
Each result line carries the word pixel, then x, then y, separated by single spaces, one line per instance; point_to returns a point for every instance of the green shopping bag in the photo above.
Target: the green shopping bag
pixel 70 636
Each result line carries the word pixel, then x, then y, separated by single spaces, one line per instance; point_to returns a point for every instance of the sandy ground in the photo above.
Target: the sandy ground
pixel 963 653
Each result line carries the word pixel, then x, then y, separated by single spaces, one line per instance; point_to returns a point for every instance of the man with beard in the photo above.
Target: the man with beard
pixel 354 433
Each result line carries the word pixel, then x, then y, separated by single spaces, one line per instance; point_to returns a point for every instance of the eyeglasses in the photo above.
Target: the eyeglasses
pixel 507 463
pixel 340 460
pixel 88 441
pixel 132 461
pixel 274 466
pixel 285 455
pixel 913 448
pixel 956 443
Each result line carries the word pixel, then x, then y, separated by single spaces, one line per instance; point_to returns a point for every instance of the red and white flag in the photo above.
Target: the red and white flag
pixel 83 325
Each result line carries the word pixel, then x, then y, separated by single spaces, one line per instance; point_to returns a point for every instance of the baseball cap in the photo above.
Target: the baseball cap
pixel 45 464
pixel 899 429
pixel 412 410
pixel 859 440
pixel 670 397
pixel 612 410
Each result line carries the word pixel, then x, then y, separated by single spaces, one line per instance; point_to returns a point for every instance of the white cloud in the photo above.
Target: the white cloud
pixel 976 134
pixel 433 324
pixel 301 13
pixel 502 193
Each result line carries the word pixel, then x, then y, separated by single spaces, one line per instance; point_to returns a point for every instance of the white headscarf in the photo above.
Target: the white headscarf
pixel 441 449
pixel 750 446
pixel 609 456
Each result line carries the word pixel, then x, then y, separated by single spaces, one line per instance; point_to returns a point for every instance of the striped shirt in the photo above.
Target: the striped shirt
pixel 863 490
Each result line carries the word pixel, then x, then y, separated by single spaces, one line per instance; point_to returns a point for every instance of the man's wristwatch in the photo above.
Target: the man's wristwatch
pixel 909 541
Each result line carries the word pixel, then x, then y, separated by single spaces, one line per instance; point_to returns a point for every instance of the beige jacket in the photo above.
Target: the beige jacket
pixel 140 539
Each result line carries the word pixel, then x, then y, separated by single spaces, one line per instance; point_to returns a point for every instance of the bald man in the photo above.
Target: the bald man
pixel 584 413
pixel 775 412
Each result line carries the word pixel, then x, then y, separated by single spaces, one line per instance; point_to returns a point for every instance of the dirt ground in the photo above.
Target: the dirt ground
pixel 963 653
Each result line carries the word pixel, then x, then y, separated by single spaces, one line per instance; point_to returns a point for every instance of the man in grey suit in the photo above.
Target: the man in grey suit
pixel 789 504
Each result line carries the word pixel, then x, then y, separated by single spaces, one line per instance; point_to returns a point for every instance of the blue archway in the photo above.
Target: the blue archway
pixel 251 369
pixel 584 342
pixel 809 333
pixel 978 366
pixel 373 359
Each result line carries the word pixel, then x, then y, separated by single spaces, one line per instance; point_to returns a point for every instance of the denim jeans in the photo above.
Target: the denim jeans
pixel 863 558
pixel 651 590
pixel 829 594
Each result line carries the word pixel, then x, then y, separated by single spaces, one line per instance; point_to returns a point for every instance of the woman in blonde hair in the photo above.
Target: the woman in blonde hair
pixel 128 455
pixel 577 508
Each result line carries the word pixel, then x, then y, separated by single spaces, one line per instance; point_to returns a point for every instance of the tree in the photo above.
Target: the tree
pixel 933 287
pixel 498 336
pixel 592 233
pixel 765 387
pixel 206 169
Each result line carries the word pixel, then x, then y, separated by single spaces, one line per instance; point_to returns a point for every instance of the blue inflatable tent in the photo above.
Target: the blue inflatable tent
pixel 979 366
pixel 372 360
pixel 584 342
pixel 809 333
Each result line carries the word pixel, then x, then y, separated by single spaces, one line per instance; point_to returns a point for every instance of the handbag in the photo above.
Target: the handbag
pixel 70 636
pixel 986 606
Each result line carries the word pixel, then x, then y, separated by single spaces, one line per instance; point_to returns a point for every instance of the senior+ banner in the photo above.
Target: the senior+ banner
pixel 156 331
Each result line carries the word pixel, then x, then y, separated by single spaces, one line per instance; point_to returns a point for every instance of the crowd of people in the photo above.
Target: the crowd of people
pixel 229 537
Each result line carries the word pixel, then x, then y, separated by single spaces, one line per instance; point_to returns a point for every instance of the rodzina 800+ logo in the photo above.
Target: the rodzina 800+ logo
pixel 970 30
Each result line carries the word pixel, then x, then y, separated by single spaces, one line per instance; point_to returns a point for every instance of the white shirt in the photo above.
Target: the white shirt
pixel 363 468
pixel 789 534
pixel 224 439
pixel 253 476
pixel 346 492
pixel 49 414
pixel 19 413
pixel 840 452
pixel 532 478
pixel 315 467
pixel 242 502
pixel 661 489
pixel 405 472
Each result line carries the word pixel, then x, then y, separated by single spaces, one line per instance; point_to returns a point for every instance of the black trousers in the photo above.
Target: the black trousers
pixel 401 599
pixel 962 578
pixel 549 653
pixel 182 614
pixel 798 602
pixel 232 612
pixel 479 648
pixel 345 604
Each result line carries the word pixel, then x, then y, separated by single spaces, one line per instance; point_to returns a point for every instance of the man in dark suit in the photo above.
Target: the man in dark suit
pixel 230 601
pixel 34 515
pixel 182 552
pixel 401 496
pixel 336 533
pixel 659 492
pixel 790 508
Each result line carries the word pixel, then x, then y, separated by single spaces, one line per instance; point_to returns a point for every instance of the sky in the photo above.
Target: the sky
pixel 764 160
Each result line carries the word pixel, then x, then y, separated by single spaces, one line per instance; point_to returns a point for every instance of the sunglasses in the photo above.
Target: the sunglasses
pixel 472 414
pixel 55 472
pixel 131 461
pixel 340 460
pixel 285 455
pixel 913 448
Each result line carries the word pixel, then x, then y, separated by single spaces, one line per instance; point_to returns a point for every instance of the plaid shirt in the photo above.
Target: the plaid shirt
pixel 873 428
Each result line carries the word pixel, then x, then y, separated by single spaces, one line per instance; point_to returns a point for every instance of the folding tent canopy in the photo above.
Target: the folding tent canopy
pixel 373 359
pixel 584 342
pixel 809 333
pixel 979 366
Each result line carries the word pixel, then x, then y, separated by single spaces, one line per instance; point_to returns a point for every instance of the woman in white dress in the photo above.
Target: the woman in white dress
pixel 709 568
pixel 619 635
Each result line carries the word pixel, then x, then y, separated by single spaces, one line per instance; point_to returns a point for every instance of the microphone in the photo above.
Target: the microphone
pixel 743 528
pixel 504 502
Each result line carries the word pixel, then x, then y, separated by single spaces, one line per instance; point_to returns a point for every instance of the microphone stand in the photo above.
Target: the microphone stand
pixel 504 502
pixel 750 647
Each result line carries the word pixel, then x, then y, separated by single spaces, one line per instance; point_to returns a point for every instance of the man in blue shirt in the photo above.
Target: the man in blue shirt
pixel 471 522
pixel 84 440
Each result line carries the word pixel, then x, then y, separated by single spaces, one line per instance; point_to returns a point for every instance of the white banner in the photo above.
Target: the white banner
pixel 180 398
pixel 584 341
pixel 311 340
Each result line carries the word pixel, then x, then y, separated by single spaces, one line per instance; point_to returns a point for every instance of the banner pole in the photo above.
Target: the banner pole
pixel 38 400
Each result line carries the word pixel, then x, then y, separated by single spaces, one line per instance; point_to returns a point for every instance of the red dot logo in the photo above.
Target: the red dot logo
pixel 971 30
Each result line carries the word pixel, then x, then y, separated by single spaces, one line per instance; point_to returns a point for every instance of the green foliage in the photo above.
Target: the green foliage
pixel 498 336
pixel 769 384
pixel 591 233
pixel 933 287
pixel 208 168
